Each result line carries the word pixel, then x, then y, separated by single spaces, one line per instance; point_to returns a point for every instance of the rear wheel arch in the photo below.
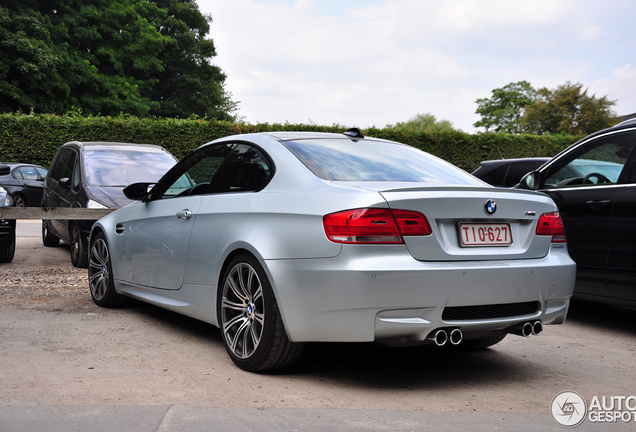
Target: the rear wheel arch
pixel 250 321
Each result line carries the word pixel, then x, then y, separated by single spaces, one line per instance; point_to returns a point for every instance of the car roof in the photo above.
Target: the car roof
pixel 16 164
pixel 106 144
pixel 626 125
pixel 498 162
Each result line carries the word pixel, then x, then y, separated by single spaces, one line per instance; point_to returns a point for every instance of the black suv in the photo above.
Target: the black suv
pixel 593 182
pixel 93 175
pixel 7 227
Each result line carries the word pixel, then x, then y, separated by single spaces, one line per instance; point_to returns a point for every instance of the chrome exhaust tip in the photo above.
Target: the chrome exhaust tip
pixel 537 328
pixel 524 330
pixel 440 337
pixel 456 336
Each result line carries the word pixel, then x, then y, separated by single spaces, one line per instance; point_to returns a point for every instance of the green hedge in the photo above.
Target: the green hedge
pixel 35 138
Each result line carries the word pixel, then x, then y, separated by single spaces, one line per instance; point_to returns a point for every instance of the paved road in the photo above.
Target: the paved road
pixel 28 228
pixel 587 360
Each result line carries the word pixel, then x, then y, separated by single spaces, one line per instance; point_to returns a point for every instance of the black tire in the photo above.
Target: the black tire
pixel 48 238
pixel 7 253
pixel 100 275
pixel 19 201
pixel 483 343
pixel 79 254
pixel 250 321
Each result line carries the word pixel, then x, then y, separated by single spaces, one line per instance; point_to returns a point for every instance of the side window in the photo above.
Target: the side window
pixel 70 165
pixel 497 176
pixel 76 175
pixel 598 162
pixel 28 173
pixel 193 175
pixel 42 173
pixel 58 168
pixel 17 174
pixel 247 170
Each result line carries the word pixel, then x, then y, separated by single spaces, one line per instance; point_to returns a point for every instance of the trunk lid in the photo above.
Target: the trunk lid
pixel 447 207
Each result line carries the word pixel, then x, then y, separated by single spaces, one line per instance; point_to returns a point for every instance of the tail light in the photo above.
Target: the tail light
pixel 374 225
pixel 551 224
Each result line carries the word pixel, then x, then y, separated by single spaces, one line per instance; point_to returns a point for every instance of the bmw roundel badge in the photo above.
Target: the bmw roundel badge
pixel 490 207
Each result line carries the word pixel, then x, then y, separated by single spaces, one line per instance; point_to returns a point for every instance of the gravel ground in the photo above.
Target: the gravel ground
pixel 58 348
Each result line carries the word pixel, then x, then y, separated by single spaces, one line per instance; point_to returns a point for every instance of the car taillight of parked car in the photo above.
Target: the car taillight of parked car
pixel 551 224
pixel 375 226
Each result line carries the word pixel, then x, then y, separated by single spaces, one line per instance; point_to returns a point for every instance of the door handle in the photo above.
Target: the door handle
pixel 184 214
pixel 597 205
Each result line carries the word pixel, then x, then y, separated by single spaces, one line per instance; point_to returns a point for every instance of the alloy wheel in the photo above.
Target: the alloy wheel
pixel 98 269
pixel 242 310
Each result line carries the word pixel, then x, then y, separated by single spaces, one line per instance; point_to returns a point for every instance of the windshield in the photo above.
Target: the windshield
pixel 121 167
pixel 367 160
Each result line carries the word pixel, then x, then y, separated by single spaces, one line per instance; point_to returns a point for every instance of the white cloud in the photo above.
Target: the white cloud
pixel 620 86
pixel 372 63
pixel 590 33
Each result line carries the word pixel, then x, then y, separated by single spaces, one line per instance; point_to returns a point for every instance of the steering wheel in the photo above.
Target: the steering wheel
pixel 601 179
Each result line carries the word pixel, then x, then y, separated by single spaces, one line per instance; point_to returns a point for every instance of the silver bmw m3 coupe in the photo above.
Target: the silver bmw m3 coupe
pixel 292 237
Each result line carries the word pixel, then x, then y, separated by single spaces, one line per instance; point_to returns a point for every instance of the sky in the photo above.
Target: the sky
pixel 360 63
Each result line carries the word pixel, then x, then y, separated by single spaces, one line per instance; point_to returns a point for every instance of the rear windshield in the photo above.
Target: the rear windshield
pixel 121 167
pixel 367 160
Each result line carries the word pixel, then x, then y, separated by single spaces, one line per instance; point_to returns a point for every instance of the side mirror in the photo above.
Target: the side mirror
pixel 5 170
pixel 65 183
pixel 138 191
pixel 530 181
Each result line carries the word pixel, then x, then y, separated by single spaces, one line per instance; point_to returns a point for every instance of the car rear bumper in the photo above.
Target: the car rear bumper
pixel 373 293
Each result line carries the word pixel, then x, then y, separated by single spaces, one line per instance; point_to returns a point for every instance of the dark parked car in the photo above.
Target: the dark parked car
pixel 25 182
pixel 93 175
pixel 593 182
pixel 507 172
pixel 7 228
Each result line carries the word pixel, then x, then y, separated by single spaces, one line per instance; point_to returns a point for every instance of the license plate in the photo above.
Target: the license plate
pixel 490 234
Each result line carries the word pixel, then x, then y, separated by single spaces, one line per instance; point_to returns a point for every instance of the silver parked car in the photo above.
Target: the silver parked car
pixel 289 237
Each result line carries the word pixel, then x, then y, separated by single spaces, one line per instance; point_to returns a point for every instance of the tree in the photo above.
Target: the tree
pixel 568 109
pixel 422 123
pixel 139 57
pixel 503 111
pixel 28 63
pixel 105 44
pixel 188 83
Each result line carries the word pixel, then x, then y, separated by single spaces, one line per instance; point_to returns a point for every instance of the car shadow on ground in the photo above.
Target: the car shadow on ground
pixel 370 365
pixel 603 316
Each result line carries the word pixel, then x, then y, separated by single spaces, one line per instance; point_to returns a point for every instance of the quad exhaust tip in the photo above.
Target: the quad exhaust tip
pixel 456 336
pixel 537 328
pixel 527 329
pixel 442 336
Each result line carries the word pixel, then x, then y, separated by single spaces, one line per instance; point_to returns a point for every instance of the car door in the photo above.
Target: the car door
pixel 586 183
pixel 621 262
pixel 226 214
pixel 31 185
pixel 155 242
pixel 58 187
